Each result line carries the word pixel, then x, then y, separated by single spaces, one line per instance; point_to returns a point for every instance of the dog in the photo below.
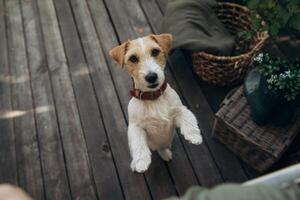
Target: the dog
pixel 155 109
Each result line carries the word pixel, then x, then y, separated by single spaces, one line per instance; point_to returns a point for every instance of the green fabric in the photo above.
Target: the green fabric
pixel 238 192
pixel 195 27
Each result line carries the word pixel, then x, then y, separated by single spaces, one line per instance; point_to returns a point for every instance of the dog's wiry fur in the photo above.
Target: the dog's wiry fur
pixel 151 123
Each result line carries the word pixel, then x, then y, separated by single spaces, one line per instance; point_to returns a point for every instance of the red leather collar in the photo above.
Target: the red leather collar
pixel 153 95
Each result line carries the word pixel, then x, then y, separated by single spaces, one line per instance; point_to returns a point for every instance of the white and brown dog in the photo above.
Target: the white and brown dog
pixel 155 109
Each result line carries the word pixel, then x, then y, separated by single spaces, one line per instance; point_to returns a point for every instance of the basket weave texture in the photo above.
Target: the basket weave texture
pixel 230 70
pixel 259 146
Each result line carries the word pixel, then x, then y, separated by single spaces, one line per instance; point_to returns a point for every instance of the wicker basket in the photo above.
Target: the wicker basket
pixel 229 70
pixel 259 146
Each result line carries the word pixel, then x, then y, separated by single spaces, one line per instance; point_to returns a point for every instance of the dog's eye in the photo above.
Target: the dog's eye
pixel 155 52
pixel 133 59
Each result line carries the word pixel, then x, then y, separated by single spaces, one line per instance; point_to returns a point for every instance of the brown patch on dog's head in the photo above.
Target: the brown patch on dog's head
pixel 118 53
pixel 164 41
pixel 134 58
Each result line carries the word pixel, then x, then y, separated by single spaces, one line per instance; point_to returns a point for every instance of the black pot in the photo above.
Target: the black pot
pixel 266 106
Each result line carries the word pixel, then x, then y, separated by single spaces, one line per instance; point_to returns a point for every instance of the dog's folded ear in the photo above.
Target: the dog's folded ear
pixel 164 41
pixel 118 53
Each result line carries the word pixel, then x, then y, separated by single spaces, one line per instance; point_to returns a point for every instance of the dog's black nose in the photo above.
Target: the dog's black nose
pixel 151 77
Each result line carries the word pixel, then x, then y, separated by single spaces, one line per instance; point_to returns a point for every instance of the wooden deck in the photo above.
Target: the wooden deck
pixel 63 104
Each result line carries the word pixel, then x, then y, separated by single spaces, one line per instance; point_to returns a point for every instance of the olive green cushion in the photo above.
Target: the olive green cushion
pixel 195 27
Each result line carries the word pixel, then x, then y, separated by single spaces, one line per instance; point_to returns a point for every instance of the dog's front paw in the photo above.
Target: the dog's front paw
pixel 140 165
pixel 194 137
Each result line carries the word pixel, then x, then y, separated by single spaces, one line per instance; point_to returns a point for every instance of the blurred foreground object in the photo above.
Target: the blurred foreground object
pixel 10 192
pixel 280 185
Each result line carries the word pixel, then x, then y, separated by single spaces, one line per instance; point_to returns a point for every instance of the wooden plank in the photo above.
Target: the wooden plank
pixel 151 10
pixel 109 39
pixel 102 161
pixel 134 185
pixel 179 176
pixel 228 164
pixel 232 172
pixel 8 169
pixel 123 83
pixel 54 171
pixel 213 94
pixel 78 167
pixel 29 170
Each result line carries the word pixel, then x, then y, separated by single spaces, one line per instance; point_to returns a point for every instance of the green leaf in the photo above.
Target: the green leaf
pixel 295 21
pixel 274 29
pixel 252 4
pixel 240 34
pixel 293 7
pixel 277 14
pixel 283 16
pixel 271 4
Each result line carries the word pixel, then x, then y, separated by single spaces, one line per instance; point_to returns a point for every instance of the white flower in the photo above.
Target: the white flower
pixel 288 73
pixel 272 79
pixel 259 57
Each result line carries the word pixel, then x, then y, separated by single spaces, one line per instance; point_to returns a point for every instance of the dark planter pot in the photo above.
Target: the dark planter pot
pixel 267 107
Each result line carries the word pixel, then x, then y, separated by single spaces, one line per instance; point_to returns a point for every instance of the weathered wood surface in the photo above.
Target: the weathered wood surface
pixel 27 147
pixel 102 163
pixel 8 172
pixel 63 104
pixel 73 140
pixel 52 160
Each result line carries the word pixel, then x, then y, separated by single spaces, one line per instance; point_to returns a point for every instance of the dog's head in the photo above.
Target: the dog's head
pixel 145 59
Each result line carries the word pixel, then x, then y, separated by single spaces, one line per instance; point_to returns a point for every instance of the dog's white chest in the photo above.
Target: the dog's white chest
pixel 159 127
pixel 156 118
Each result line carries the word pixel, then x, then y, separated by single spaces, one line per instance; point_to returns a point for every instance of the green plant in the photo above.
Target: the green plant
pixel 282 77
pixel 276 14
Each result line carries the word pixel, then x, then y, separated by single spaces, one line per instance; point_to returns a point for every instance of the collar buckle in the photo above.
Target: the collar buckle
pixel 140 94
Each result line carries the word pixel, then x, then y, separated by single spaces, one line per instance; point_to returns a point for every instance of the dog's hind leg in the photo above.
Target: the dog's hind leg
pixel 165 154
pixel 187 122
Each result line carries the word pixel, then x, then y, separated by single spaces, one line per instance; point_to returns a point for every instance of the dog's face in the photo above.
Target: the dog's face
pixel 145 59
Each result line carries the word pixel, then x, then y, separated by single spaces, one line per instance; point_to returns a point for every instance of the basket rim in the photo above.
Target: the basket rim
pixel 238 57
pixel 262 37
pixel 246 9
